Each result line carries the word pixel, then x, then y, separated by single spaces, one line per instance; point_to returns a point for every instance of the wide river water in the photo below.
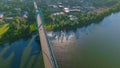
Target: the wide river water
pixel 94 46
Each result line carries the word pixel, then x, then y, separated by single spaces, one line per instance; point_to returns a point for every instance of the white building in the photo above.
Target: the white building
pixel 57 13
pixel 1 16
pixel 25 16
pixel 66 10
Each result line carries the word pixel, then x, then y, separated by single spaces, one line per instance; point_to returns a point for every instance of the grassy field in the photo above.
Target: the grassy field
pixel 3 29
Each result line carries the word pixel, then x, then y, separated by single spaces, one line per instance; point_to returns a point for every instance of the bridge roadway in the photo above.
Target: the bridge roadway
pixel 48 55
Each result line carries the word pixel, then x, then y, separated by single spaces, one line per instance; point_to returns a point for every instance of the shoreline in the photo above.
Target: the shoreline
pixel 83 21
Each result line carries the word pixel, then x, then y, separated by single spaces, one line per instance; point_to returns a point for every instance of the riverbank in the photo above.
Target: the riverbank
pixel 84 19
pixel 9 33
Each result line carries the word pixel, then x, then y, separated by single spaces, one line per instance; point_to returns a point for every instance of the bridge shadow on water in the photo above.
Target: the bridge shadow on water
pixel 22 54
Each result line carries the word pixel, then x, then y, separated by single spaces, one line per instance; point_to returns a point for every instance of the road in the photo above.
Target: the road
pixel 48 56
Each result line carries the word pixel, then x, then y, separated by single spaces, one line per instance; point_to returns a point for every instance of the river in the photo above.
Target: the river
pixel 94 46
pixel 23 53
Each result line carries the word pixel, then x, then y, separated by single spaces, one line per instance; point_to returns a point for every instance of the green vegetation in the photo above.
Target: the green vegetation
pixel 20 27
pixel 3 29
pixel 33 27
pixel 13 25
pixel 62 22
pixel 102 3
pixel 16 29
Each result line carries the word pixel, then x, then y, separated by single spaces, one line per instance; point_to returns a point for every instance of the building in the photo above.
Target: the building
pixel 57 13
pixel 1 16
pixel 25 14
pixel 73 18
pixel 66 10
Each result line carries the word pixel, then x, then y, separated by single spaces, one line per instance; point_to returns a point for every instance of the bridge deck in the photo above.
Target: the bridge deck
pixel 48 56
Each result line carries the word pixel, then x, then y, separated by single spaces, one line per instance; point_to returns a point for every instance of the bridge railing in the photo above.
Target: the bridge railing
pixel 52 53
